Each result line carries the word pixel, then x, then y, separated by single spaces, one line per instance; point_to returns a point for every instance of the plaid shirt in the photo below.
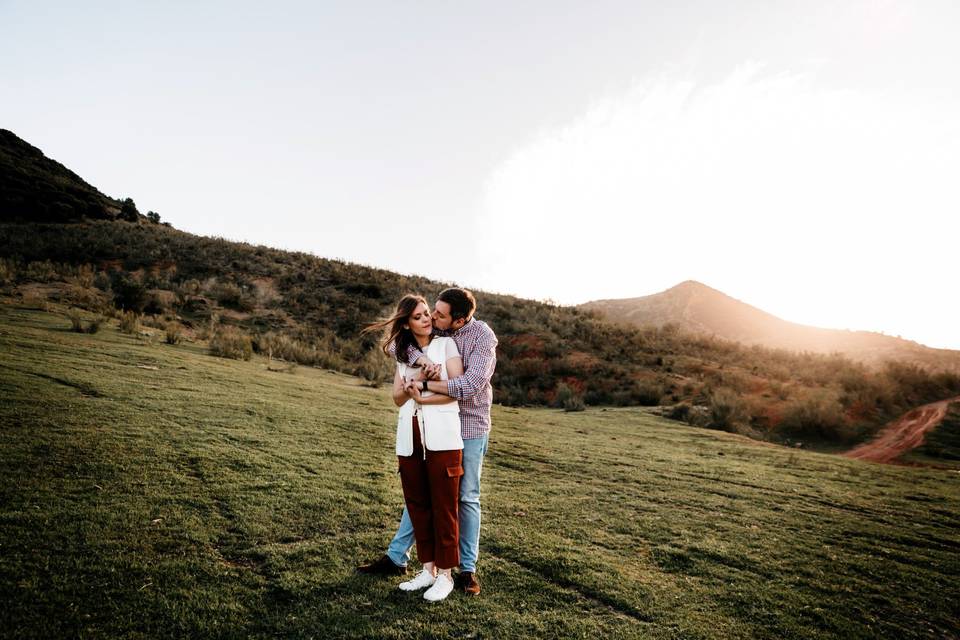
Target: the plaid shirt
pixel 478 347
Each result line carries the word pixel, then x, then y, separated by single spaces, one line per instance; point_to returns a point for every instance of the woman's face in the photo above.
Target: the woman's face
pixel 419 321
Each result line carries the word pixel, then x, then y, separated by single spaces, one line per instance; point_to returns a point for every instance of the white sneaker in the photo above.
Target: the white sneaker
pixel 441 588
pixel 420 581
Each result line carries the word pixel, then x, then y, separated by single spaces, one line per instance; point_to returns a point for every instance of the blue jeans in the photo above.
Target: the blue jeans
pixel 469 511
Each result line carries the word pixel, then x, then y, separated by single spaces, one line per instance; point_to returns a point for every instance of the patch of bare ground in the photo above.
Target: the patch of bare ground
pixel 903 434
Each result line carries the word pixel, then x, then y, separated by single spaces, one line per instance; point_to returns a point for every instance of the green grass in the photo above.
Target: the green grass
pixel 152 490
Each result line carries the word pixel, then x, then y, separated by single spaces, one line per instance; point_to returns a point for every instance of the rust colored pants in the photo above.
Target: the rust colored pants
pixel 431 489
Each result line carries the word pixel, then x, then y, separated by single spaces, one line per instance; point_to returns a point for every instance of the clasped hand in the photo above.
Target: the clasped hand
pixel 427 372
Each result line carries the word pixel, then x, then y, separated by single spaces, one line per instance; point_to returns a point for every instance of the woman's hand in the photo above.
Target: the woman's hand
pixel 412 389
pixel 429 372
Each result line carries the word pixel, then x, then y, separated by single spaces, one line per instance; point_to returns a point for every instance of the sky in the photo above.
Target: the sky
pixel 799 156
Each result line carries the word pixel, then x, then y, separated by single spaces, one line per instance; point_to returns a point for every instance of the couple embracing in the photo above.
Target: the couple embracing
pixel 445 360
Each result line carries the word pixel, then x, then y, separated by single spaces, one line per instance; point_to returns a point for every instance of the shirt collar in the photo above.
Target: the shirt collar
pixel 463 328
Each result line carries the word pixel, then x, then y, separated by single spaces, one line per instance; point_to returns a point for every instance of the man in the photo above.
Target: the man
pixel 453 316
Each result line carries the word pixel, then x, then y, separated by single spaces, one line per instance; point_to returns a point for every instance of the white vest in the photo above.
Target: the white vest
pixel 439 423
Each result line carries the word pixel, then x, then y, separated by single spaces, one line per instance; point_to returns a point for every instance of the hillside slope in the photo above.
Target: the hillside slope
pixel 34 188
pixel 306 309
pixel 151 490
pixel 695 307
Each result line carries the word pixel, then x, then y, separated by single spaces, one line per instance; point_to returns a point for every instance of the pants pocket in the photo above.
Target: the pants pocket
pixel 454 472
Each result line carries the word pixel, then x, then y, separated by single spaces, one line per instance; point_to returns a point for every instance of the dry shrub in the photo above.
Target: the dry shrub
pixel 374 368
pixel 727 409
pixel 173 332
pixel 323 352
pixel 95 324
pixel 568 399
pixel 130 322
pixel 41 271
pixel 231 342
pixel 8 271
pixel 83 277
pixel 818 416
pixel 76 320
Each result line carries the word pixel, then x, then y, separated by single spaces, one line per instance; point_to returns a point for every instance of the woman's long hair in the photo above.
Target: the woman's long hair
pixel 394 332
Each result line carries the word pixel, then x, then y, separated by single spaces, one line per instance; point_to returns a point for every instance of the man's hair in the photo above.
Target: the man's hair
pixel 462 303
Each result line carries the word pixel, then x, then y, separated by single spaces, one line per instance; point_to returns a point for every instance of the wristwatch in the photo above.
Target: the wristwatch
pixel 423 385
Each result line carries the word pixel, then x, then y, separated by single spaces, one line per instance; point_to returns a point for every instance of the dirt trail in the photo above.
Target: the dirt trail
pixel 903 434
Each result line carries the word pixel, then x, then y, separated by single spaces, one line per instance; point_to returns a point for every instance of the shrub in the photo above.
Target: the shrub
pixel 130 322
pixel 95 324
pixel 727 409
pixel 231 342
pixel 818 416
pixel 129 294
pixel 76 323
pixel 679 411
pixel 375 368
pixel 647 394
pixel 41 271
pixel 8 271
pixel 206 332
pixel 128 210
pixel 173 332
pixel 568 399
pixel 83 277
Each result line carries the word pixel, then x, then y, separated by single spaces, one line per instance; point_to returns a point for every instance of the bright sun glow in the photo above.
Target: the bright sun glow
pixel 823 206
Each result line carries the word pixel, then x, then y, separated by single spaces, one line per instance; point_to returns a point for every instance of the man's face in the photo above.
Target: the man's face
pixel 442 319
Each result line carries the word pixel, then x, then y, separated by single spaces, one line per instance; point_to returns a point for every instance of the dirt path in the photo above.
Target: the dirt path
pixel 903 434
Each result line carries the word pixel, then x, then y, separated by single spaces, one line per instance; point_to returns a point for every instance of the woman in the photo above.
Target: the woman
pixel 429 445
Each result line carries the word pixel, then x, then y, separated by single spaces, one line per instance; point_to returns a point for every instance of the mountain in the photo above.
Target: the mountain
pixel 695 307
pixel 306 309
pixel 34 188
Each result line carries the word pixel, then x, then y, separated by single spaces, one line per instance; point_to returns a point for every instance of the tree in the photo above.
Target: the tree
pixel 128 211
pixel 153 217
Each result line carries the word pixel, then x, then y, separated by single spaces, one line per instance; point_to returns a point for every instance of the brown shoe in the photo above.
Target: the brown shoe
pixel 382 567
pixel 469 583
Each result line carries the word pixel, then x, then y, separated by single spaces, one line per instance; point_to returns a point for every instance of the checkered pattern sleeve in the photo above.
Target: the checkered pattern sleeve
pixel 478 369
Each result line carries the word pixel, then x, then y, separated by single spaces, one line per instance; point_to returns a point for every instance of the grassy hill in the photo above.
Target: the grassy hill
pixel 695 307
pixel 308 310
pixel 152 490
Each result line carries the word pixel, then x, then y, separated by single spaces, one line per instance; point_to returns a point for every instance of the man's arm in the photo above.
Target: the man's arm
pixel 482 363
pixel 413 356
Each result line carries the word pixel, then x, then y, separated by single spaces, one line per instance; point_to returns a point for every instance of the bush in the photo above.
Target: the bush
pixel 727 409
pixel 231 342
pixel 8 271
pixel 647 394
pixel 818 416
pixel 695 415
pixel 130 322
pixel 41 271
pixel 679 412
pixel 129 294
pixel 95 324
pixel 375 368
pixel 173 332
pixel 76 323
pixel 568 399
pixel 128 210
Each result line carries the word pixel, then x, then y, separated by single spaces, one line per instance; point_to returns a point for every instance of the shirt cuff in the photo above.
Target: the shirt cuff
pixel 452 389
